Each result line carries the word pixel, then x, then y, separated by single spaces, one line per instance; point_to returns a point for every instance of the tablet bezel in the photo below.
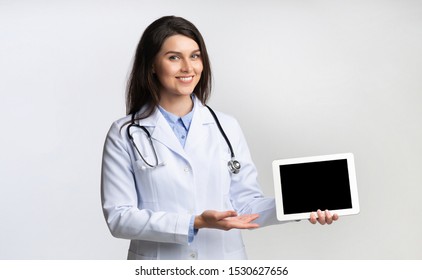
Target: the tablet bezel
pixel 281 216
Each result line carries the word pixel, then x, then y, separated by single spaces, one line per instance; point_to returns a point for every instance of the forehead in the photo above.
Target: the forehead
pixel 179 43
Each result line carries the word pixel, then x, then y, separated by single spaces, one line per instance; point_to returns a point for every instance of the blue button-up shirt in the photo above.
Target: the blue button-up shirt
pixel 179 125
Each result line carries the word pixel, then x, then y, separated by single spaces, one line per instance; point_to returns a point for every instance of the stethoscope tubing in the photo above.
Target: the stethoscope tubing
pixel 233 164
pixel 149 140
pixel 222 131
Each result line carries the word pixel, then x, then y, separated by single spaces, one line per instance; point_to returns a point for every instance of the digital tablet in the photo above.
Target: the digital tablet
pixel 304 185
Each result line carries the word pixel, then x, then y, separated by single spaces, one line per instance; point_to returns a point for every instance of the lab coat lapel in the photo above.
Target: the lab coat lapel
pixel 198 129
pixel 161 131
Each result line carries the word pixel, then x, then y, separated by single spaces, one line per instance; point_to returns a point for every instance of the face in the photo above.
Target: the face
pixel 178 66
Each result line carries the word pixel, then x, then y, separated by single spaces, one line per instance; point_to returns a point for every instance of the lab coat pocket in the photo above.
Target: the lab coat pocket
pixel 142 164
pixel 143 250
pixel 133 256
pixel 143 180
pixel 233 242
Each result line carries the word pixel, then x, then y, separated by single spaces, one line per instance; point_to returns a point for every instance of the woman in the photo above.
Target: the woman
pixel 166 184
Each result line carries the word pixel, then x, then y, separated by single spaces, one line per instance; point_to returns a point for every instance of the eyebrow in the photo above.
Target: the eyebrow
pixel 179 53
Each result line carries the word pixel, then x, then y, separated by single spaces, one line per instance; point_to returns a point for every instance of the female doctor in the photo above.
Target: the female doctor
pixel 177 178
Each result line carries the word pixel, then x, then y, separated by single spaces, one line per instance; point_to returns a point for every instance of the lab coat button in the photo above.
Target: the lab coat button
pixel 192 255
pixel 186 169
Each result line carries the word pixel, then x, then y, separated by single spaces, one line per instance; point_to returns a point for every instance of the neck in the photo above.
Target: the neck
pixel 177 105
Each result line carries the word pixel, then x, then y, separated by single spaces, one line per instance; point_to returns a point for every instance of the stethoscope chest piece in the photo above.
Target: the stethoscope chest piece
pixel 234 166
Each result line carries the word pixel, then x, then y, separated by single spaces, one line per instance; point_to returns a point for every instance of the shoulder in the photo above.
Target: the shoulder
pixel 229 124
pixel 223 118
pixel 118 127
pixel 227 120
pixel 122 121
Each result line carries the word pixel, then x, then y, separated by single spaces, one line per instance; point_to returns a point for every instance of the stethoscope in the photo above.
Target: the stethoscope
pixel 233 165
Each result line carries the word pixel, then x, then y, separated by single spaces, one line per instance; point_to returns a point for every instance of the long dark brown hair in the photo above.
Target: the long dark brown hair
pixel 143 86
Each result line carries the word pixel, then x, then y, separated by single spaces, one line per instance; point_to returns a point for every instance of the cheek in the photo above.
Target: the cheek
pixel 165 70
pixel 164 74
pixel 198 68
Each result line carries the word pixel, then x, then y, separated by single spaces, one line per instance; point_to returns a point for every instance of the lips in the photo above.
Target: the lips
pixel 185 79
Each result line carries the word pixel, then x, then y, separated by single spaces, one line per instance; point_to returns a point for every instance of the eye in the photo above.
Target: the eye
pixel 174 57
pixel 196 56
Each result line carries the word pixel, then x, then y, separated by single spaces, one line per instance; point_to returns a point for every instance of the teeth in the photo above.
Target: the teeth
pixel 186 79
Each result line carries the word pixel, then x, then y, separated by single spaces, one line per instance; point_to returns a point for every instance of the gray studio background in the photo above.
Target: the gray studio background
pixel 303 78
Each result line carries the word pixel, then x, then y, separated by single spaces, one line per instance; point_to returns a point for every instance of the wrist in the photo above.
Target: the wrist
pixel 198 222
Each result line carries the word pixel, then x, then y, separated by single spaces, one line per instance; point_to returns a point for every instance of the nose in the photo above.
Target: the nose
pixel 186 66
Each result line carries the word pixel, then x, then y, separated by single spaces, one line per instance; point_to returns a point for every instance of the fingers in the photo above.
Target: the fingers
pixel 241 222
pixel 323 217
pixel 224 215
pixel 248 218
pixel 214 216
pixel 225 220
pixel 313 218
pixel 335 217
pixel 328 217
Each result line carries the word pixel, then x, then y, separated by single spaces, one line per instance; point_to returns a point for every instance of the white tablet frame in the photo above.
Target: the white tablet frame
pixel 281 216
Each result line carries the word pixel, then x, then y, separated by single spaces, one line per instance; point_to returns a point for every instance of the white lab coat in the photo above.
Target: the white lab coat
pixel 153 206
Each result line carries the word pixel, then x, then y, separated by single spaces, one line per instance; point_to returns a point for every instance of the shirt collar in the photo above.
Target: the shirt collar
pixel 172 119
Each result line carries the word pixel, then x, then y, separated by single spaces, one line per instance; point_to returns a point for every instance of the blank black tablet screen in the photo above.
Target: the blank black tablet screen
pixel 307 187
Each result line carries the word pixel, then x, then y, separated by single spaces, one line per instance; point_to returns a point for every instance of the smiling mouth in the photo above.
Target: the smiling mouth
pixel 185 79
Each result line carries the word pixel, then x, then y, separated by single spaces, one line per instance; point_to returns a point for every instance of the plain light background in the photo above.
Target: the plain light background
pixel 303 78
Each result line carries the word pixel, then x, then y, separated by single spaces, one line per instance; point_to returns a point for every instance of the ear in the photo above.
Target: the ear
pixel 153 69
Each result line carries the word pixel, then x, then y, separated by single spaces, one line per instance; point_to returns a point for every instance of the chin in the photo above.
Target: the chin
pixel 184 93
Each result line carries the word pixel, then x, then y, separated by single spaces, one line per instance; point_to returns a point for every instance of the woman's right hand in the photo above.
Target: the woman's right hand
pixel 226 220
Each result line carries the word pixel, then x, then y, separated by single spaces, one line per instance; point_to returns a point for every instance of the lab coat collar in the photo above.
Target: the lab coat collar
pixel 161 131
pixel 198 128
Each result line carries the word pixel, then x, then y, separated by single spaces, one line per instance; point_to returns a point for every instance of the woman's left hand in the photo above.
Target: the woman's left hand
pixel 323 217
